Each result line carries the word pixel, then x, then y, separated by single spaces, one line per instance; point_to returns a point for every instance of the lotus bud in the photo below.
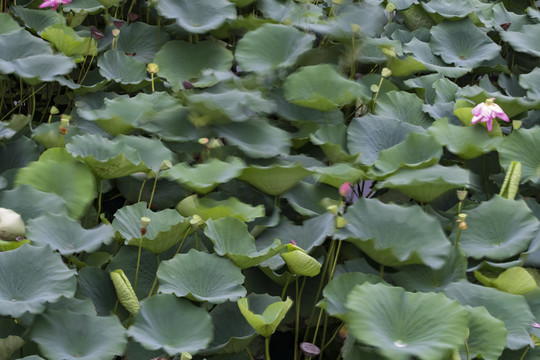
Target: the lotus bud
pixel 516 124
pixel 341 222
pixel 461 221
pixel 186 356
pixel 374 88
pixel 115 32
pixel 11 225
pixel 95 33
pixel 64 123
pixel 125 292
pixel 461 194
pixel 299 262
pixel 132 17
pixel 145 221
pixel 203 141
pixel 386 72
pixel 196 222
pixel 355 28
pixel 333 209
pixel 390 7
pixel 152 68
pixel 345 189
pixel 54 110
pixel 118 23
pixel 165 165
pixel 215 143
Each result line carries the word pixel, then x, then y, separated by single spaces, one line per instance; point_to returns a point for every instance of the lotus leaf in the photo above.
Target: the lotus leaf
pixel 117 66
pixel 66 40
pixel 264 312
pixel 403 106
pixel 275 179
pixel 35 19
pixel 521 145
pixel 208 208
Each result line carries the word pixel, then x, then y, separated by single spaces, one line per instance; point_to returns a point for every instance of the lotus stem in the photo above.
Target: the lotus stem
pixel 249 353
pixel 141 189
pixel 138 264
pixel 525 352
pixel 155 278
pixel 467 350
pixel 285 287
pixel 325 327
pixel 182 242
pixel 267 348
pixel 99 198
pixel 153 189
pixel 19 104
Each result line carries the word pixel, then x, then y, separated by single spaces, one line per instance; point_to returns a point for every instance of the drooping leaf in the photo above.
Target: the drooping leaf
pixel 199 17
pixel 30 278
pixel 67 41
pixel 381 316
pixel 200 276
pixel 274 179
pixel 156 325
pixel 399 244
pixel 263 312
pixel 487 334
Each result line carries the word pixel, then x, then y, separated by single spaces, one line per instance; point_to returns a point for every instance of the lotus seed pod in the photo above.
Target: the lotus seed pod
pixel 11 225
pixel 54 110
pixel 145 221
pixel 186 356
pixel 165 165
pixel 386 72
pixel 390 7
pixel 125 292
pixel 341 222
pixel 461 195
pixel 300 263
pixel 152 68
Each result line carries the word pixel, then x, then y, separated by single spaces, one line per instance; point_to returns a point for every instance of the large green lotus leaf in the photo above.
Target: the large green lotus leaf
pixel 139 39
pixel 5 131
pixel 71 179
pixel 232 239
pixel 31 277
pixel 462 43
pixel 95 284
pixel 151 150
pixel 7 23
pixel 17 154
pixel 34 61
pixel 256 138
pixel 310 234
pixel 270 47
pixel 400 244
pixel 422 58
pixel 67 41
pixel 203 178
pixel 232 333
pixel 67 235
pixel 31 203
pixel 454 9
pixel 290 11
pixel 524 39
pixel 219 104
pixel 338 289
pixel 320 87
pixel 107 159
pixel 333 141
pixel 531 82
pixel 403 324
pixel 208 208
pixel 498 229
pixel 487 336
pixel 522 145
pixel 306 198
pixel 417 151
pixel 264 312
pixel 515 280
pixel 166 227
pixel 172 324
pixel 511 309
pixel 182 61
pixel 83 6
pixel 122 114
pixel 200 276
pixel 467 142
pixel 68 335
pixel 121 68
pixel 371 134
pixel 171 124
pixel 197 17
pixel 274 179
pixel 335 175
pixel 403 106
pixel 35 19
pixel 425 185
pixel 424 279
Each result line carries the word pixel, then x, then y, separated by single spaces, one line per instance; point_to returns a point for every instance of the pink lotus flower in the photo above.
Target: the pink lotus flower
pixel 487 111
pixel 345 189
pixel 53 3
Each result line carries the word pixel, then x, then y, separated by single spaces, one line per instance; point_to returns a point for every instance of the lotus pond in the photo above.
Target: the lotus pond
pixel 256 179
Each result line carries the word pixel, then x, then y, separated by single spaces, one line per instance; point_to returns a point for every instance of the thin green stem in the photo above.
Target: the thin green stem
pixel 525 353
pixel 84 61
pixel 141 189
pixel 153 189
pixel 99 199
pixel 285 287
pixel 325 328
pixel 267 348
pixel 155 278
pixel 249 353
pixel 297 320
pixel 335 261
pixel 88 67
pixel 331 339
pixel 138 264
pixel 182 242
pixel 33 96
pixel 19 104
pixel 467 350
pixel 376 95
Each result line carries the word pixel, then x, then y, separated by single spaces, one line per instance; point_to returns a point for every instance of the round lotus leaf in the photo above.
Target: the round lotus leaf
pixel 523 40
pixel 264 312
pixel 415 152
pixel 204 178
pixel 320 87
pixel 166 227
pixel 338 289
pixel 68 335
pixel 197 17
pixel 256 138
pixel 36 19
pixel 71 179
pixel 333 141
pixel 400 244
pixel 454 9
pixel 30 277
pixel 513 310
pixel 382 316
pixel 467 142
pixel 35 61
pixel 67 235
pixel 181 61
pixel 17 154
pixel 139 40
pixel 521 146
pixel 515 280
pixel 462 43
pixel 172 324
pixel 274 179
pixel 305 198
pixel 83 6
pixel 151 150
pixel 403 106
pixel 7 23
pixel 67 41
pixel 95 284
pixel 487 334
pixel 290 12
pixel 232 239
pixel 270 47
pixel 425 185
pixel 121 68
pixel 107 159
pixel 498 229
pixel 371 134
pixel 531 82
pixel 201 276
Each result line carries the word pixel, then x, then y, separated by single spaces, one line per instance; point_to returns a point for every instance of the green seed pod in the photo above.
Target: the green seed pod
pixel 125 292
pixel 300 263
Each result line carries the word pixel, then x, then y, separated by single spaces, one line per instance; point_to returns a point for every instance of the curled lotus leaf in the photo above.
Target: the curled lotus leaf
pixel 275 179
